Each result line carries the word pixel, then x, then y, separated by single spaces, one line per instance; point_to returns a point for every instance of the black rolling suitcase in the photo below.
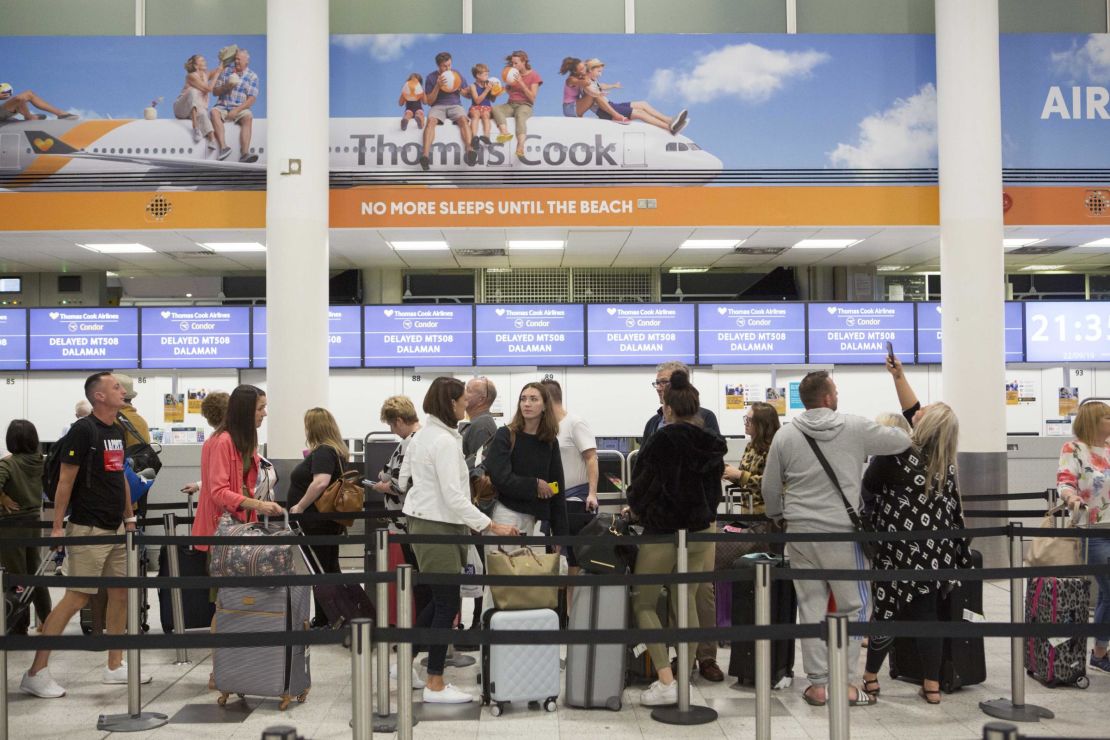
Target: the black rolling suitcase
pixel 17 602
pixel 784 610
pixel 195 602
pixel 964 662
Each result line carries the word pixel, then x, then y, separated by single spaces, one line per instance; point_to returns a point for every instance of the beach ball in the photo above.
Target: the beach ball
pixel 412 90
pixel 495 87
pixel 510 75
pixel 450 81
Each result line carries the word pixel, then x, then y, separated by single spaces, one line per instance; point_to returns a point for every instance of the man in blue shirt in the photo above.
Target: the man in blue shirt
pixel 236 89
pixel 446 106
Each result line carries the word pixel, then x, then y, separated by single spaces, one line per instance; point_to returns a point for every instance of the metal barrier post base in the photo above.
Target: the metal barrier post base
pixel 695 715
pixel 131 722
pixel 1007 710
pixel 386 724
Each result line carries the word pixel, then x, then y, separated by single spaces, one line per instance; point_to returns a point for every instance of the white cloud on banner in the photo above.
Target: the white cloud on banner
pixel 746 71
pixel 381 47
pixel 903 135
pixel 1088 62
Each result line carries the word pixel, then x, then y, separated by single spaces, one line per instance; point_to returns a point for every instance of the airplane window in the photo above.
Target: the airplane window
pixel 190 150
pixel 681 147
pixel 261 149
pixel 694 147
pixel 672 147
pixel 346 149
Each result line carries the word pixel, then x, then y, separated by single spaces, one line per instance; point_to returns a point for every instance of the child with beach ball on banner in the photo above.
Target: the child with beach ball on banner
pixel 412 100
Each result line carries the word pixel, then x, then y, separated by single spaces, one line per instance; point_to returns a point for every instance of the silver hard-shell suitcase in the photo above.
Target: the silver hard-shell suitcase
pixel 595 673
pixel 281 670
pixel 522 673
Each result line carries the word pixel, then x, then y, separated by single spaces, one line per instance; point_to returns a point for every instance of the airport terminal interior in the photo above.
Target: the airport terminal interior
pixel 756 188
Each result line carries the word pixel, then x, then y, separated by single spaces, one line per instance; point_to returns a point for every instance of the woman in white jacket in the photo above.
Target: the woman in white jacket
pixel 438 502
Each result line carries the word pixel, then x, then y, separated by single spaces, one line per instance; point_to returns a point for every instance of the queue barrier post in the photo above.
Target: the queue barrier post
pixel 361 678
pixel 1015 709
pixel 405 717
pixel 173 565
pixel 384 721
pixel 3 663
pixel 837 690
pixel 763 652
pixel 281 732
pixel 136 720
pixel 1000 731
pixel 683 713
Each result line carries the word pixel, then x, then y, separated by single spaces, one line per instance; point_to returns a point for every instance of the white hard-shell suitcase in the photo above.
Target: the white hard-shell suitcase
pixel 595 673
pixel 520 673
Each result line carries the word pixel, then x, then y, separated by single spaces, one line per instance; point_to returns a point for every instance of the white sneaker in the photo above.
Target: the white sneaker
pixel 42 685
pixel 196 136
pixel 417 681
pixel 449 695
pixel 660 694
pixel 119 675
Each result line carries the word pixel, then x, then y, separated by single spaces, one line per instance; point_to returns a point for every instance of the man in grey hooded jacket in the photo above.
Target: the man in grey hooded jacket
pixel 797 488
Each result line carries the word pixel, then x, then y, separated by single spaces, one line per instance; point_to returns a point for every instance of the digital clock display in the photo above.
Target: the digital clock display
pixel 1067 331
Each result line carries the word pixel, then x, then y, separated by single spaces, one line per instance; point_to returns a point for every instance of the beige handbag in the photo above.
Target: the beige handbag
pixel 1056 550
pixel 523 562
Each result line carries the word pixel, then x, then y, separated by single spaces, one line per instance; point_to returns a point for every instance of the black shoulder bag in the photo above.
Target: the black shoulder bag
pixel 870 547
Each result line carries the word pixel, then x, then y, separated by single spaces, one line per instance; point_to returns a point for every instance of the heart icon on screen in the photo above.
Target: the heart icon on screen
pixel 938 309
pixel 53 315
pixel 722 310
pixel 388 312
pixel 165 314
pixel 499 311
pixel 831 310
pixel 611 311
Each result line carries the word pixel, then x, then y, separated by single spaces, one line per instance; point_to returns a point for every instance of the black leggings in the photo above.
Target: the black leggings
pixel 439 613
pixel 328 555
pixel 923 608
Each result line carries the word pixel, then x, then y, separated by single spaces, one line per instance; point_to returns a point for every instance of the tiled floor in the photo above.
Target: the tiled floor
pixel 900 714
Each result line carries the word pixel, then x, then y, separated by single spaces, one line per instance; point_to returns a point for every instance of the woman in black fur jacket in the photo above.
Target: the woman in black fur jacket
pixel 676 484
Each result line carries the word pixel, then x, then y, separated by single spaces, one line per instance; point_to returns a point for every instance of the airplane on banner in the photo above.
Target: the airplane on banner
pixel 134 154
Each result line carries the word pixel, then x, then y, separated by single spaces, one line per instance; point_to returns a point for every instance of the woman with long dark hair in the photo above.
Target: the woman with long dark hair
pixel 761 421
pixel 676 484
pixel 21 509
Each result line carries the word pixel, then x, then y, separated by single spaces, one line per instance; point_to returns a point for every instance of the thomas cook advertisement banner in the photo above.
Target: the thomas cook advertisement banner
pixel 545 130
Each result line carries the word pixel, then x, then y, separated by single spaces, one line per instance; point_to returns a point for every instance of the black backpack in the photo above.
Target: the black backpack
pixel 143 456
pixel 52 468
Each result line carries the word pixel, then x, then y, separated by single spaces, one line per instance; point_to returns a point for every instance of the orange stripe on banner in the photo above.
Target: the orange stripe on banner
pixel 644 206
pixel 1052 206
pixel 116 210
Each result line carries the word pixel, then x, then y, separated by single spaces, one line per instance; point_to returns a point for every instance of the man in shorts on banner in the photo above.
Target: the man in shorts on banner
pixel 441 89
pixel 236 90
pixel 91 484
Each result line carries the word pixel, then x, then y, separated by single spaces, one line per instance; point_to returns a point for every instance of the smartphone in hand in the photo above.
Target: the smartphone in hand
pixel 890 352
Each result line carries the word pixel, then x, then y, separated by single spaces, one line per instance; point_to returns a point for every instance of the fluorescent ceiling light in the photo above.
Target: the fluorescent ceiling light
pixel 426 246
pixel 1097 243
pixel 1045 268
pixel 889 268
pixel 688 269
pixel 536 244
pixel 111 274
pixel 711 243
pixel 826 243
pixel 1016 243
pixel 117 248
pixel 234 246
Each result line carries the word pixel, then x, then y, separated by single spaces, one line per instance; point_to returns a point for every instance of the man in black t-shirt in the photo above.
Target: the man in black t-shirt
pixel 91 484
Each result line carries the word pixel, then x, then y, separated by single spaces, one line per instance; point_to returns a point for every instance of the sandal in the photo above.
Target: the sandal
pixel 811 701
pixel 863 699
pixel 867 683
pixel 924 694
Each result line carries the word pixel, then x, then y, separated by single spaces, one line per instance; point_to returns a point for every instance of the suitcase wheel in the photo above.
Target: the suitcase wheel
pixel 495 709
pixel 613 703
pixel 302 696
pixel 222 699
pixel 86 629
pixel 549 705
pixel 1082 682
pixel 144 627
pixel 285 699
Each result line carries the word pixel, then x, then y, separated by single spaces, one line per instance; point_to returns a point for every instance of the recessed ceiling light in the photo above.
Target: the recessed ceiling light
pixel 711 243
pixel 1097 243
pixel 688 269
pixel 1017 243
pixel 826 243
pixel 422 246
pixel 111 274
pixel 188 295
pixel 234 246
pixel 117 248
pixel 536 244
pixel 889 268
pixel 1041 268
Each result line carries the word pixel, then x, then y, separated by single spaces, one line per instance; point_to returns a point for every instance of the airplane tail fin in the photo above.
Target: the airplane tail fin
pixel 44 143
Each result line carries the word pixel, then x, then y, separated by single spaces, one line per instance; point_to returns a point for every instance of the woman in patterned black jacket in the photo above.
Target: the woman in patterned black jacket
pixel 915 491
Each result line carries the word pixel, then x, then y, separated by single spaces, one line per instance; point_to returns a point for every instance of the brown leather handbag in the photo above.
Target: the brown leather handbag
pixel 345 494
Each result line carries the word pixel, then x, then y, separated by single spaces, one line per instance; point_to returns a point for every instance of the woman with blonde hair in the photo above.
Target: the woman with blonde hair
pixel 324 463
pixel 916 491
pixel 1081 479
pixel 192 101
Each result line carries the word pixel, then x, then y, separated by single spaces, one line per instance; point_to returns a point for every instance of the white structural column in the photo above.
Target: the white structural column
pixel 972 269
pixel 296 219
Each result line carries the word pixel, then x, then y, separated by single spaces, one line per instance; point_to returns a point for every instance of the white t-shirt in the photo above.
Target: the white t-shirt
pixel 575 438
